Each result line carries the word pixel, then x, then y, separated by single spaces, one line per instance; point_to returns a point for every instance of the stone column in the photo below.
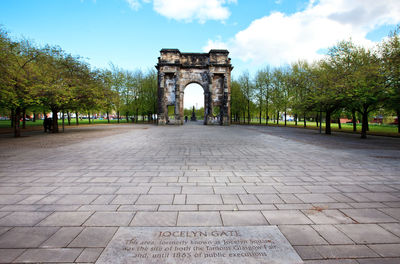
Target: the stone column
pixel 162 111
pixel 178 100
pixel 208 100
pixel 207 107
pixel 225 102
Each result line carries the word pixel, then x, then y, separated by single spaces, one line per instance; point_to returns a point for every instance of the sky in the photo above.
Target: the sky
pixel 257 33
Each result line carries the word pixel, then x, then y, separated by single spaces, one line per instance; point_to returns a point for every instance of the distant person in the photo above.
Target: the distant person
pixel 46 124
pixel 186 119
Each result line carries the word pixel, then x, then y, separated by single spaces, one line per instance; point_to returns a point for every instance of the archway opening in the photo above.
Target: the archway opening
pixel 193 97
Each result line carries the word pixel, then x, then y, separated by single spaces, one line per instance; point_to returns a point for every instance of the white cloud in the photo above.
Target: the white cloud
pixel 200 10
pixel 215 44
pixel 189 10
pixel 278 38
pixel 134 4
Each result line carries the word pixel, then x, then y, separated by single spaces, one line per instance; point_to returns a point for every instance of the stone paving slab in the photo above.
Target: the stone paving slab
pixel 335 198
pixel 214 245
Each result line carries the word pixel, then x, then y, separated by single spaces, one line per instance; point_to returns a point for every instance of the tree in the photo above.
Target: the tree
pixel 368 84
pixel 149 94
pixel 53 90
pixel 287 90
pixel 324 98
pixel 138 94
pixel 277 93
pixel 117 82
pixel 6 92
pixel 18 77
pixel 334 77
pixel 75 75
pixel 129 93
pixel 109 94
pixel 247 89
pixel 300 81
pixel 238 101
pixel 263 87
pixel 390 53
pixel 259 93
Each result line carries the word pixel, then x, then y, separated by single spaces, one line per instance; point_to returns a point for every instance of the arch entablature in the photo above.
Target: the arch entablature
pixel 211 70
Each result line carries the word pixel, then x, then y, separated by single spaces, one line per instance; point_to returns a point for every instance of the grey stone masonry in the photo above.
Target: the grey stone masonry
pixel 212 71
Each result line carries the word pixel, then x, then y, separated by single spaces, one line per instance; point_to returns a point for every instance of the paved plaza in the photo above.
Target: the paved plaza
pixel 63 197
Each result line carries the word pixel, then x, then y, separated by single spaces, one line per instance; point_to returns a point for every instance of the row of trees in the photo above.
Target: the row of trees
pixel 350 81
pixel 43 79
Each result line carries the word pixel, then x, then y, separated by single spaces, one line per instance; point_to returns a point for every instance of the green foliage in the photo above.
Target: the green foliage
pixel 390 54
pixel 349 80
pixel 48 78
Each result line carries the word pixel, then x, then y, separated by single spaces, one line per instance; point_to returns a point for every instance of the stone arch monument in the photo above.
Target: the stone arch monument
pixel 211 70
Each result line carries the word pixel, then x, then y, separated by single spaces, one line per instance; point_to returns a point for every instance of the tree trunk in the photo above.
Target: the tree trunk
pixel 354 120
pixel 63 121
pixel 248 111
pixel 118 116
pixel 316 119
pixel 305 120
pixel 364 121
pixel 328 122
pixel 108 117
pixel 266 115
pixel 16 123
pixel 320 121
pixel 12 115
pixel 277 118
pixel 77 118
pixel 398 121
pixel 339 124
pixel 69 117
pixel 23 118
pixel 285 118
pixel 34 117
pixel 55 120
pixel 127 117
pixel 89 117
pixel 295 119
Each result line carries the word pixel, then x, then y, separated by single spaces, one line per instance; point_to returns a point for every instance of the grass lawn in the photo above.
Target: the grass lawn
pixel 374 129
pixel 7 123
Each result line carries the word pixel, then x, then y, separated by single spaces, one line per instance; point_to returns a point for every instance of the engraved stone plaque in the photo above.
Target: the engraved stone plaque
pixel 199 245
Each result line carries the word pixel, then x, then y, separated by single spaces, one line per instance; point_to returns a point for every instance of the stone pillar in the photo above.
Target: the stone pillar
pixel 162 108
pixel 177 114
pixel 225 103
pixel 207 108
pixel 181 110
